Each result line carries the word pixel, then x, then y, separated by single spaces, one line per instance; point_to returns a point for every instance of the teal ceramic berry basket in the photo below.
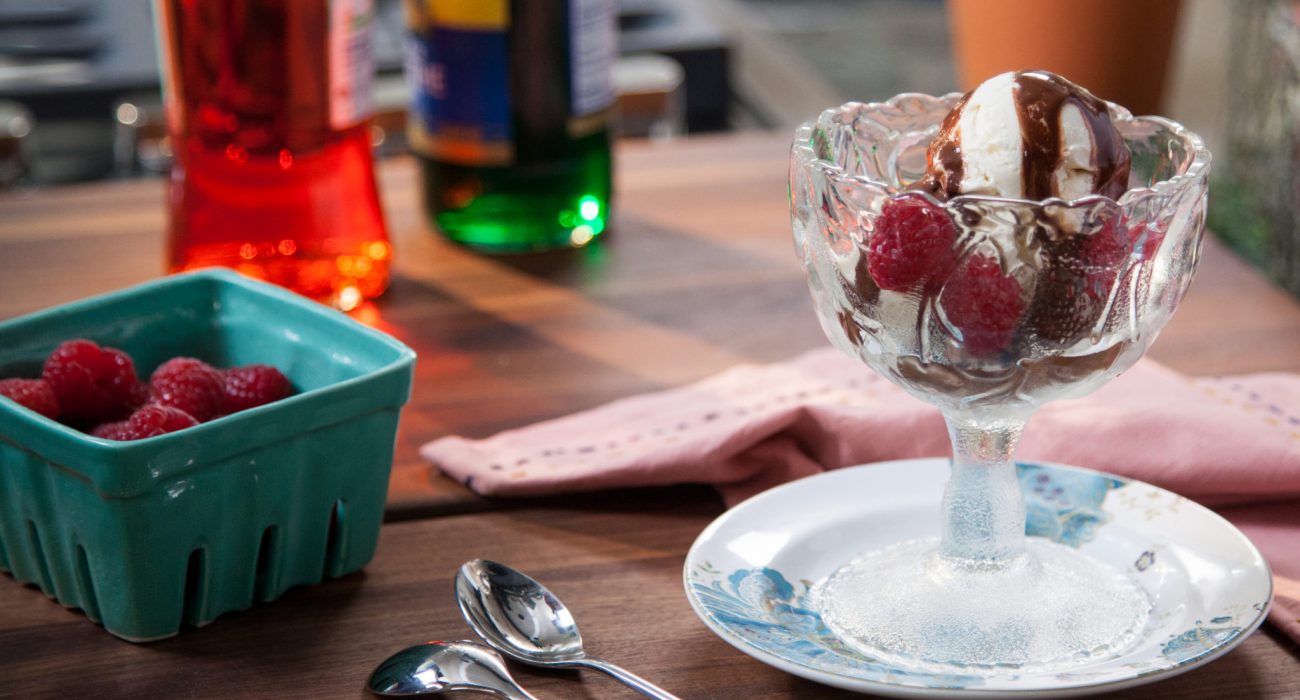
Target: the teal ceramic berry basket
pixel 152 535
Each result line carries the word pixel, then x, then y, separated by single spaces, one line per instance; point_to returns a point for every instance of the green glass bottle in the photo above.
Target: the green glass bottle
pixel 510 119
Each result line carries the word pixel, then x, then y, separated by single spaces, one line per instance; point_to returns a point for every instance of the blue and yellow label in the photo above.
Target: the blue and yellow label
pixel 458 65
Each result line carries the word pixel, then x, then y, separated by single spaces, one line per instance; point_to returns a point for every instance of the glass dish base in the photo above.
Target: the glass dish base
pixel 1050 608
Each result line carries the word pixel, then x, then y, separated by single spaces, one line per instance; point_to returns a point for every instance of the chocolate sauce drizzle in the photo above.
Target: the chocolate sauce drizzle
pixel 1040 96
pixel 943 176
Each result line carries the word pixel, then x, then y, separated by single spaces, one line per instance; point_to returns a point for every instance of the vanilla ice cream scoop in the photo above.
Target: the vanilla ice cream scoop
pixel 1028 135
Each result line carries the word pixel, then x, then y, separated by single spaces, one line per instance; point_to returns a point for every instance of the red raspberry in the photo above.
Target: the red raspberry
pixel 150 421
pixel 92 384
pixel 35 394
pixel 983 304
pixel 254 385
pixel 1072 291
pixel 1065 306
pixel 157 420
pixel 191 385
pixel 1108 246
pixel 117 430
pixel 912 243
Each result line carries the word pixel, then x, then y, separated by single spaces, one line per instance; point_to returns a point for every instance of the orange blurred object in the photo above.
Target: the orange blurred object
pixel 1118 49
pixel 268 110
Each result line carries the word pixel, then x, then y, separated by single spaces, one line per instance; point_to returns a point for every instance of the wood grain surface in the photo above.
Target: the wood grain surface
pixel 698 276
pixel 618 566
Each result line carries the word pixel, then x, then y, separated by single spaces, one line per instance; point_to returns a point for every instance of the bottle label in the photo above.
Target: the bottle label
pixel 593 45
pixel 457 64
pixel 351 61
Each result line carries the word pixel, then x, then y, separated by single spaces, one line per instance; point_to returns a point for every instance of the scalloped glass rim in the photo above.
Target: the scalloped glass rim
pixel 1196 169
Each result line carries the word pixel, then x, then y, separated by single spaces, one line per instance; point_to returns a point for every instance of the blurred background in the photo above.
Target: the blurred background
pixel 79 96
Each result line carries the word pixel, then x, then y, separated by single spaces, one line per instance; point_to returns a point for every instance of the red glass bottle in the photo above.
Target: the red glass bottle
pixel 268 110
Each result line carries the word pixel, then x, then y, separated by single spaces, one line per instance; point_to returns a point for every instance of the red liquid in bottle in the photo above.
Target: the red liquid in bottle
pixel 273 173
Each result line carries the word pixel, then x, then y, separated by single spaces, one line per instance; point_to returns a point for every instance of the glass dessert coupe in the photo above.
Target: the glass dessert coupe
pixel 1044 300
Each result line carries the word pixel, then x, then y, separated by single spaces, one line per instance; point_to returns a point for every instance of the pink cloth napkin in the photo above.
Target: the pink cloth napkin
pixel 1231 443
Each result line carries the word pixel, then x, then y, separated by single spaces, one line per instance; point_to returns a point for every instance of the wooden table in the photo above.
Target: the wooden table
pixel 698 277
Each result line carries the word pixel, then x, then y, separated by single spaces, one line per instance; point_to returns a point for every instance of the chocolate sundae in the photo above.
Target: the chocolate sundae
pixel 988 253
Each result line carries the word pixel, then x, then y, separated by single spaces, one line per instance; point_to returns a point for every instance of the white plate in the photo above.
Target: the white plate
pixel 749 574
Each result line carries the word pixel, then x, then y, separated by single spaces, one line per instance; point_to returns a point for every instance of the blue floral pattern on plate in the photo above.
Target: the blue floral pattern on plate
pixel 1197 642
pixel 1064 506
pixel 762 607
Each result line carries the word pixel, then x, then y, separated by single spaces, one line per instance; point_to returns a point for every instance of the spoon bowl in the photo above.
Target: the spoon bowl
pixel 517 615
pixel 522 619
pixel 444 667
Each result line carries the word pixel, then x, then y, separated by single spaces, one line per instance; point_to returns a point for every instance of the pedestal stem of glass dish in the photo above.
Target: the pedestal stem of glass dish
pixel 983 509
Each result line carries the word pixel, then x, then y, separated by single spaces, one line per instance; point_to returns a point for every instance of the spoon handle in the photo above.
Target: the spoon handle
pixel 518 693
pixel 629 679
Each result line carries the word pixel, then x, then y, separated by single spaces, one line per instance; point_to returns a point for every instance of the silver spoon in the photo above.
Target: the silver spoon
pixel 445 667
pixel 518 617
